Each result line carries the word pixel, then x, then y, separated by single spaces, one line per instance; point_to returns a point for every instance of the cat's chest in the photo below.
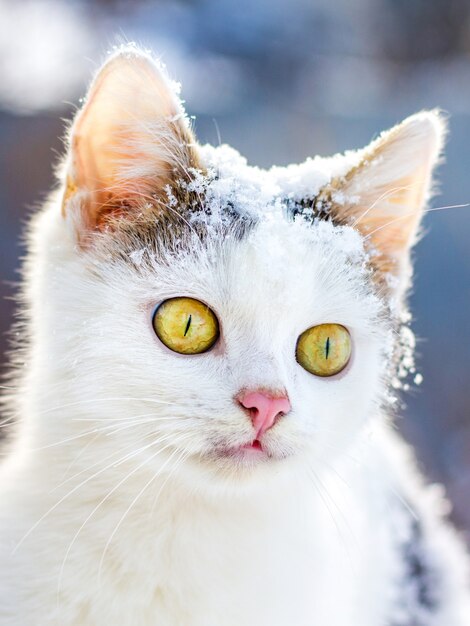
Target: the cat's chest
pixel 283 557
pixel 284 564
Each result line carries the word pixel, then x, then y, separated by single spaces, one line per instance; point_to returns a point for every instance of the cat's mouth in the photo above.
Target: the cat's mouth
pixel 254 445
pixel 251 451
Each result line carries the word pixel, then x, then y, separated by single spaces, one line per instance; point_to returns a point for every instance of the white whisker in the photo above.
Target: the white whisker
pixel 144 488
pixel 94 400
pixel 383 196
pixel 74 489
pixel 404 216
pixel 108 495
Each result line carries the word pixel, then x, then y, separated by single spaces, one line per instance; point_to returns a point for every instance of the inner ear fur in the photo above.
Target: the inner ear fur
pixel 129 142
pixel 385 195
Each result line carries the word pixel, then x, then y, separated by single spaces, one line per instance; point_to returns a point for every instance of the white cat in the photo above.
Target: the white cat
pixel 202 405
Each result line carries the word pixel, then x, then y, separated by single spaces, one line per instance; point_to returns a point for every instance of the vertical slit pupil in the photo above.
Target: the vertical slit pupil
pixel 188 324
pixel 327 347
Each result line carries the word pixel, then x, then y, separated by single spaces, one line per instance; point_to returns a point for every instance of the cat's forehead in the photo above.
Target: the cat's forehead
pixel 229 181
pixel 228 196
pixel 276 262
pixel 287 227
pixel 291 250
pixel 295 262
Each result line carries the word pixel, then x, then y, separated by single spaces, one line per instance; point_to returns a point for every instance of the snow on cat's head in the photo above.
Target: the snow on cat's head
pixel 213 315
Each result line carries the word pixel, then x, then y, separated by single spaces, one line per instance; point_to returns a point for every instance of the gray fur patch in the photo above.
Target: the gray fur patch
pixel 418 598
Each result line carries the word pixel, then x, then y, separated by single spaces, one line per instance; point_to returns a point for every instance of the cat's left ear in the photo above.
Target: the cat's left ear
pixel 385 194
pixel 129 142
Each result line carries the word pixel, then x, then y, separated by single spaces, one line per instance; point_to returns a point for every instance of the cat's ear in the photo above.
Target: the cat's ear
pixel 385 194
pixel 128 142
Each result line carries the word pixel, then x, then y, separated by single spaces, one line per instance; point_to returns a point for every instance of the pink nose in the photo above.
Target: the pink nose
pixel 264 409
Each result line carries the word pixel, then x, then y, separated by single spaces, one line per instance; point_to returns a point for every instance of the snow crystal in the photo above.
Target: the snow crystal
pixel 304 180
pixel 137 256
pixel 230 183
pixel 172 201
pixel 406 362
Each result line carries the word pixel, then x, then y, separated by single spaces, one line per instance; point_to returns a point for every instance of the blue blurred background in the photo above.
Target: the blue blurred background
pixel 279 80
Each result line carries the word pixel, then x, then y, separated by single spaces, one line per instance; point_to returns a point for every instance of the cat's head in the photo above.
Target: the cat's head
pixel 216 314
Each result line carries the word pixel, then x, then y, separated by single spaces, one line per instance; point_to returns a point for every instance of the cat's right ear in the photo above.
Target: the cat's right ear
pixel 385 194
pixel 128 142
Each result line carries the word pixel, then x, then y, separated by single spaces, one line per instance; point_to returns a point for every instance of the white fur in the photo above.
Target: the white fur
pixel 113 510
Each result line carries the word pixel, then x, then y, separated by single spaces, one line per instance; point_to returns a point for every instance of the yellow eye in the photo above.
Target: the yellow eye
pixel 324 350
pixel 186 325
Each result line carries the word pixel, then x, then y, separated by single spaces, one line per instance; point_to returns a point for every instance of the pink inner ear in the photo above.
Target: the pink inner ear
pixel 391 225
pixel 128 138
pixel 385 194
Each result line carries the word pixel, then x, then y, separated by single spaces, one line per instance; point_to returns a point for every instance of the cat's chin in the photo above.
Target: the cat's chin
pixel 242 470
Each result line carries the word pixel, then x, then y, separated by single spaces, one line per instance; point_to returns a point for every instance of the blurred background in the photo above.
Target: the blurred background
pixel 279 80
